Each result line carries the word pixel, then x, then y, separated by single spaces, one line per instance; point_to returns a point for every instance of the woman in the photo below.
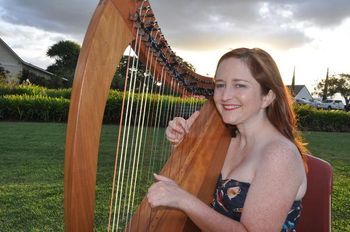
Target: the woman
pixel 263 178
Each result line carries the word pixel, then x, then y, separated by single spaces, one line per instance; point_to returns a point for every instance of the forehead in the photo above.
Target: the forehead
pixel 233 68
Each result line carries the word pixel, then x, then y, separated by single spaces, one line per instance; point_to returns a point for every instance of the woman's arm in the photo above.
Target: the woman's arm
pixel 165 192
pixel 268 202
pixel 274 188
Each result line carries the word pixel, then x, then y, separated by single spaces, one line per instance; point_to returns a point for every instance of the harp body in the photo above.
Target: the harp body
pixel 195 164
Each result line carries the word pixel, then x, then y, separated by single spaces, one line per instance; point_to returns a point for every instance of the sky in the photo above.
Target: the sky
pixel 310 35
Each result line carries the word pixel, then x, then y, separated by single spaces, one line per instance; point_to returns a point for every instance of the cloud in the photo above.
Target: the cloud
pixel 30 43
pixel 202 23
pixel 195 25
pixel 322 13
pixel 59 16
pixel 190 23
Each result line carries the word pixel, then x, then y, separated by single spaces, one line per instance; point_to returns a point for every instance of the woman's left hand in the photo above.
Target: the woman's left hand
pixel 165 192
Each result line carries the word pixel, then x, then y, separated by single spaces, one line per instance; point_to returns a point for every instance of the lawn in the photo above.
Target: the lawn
pixel 31 175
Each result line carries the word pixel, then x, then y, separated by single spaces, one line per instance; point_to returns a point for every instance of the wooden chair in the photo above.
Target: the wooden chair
pixel 316 212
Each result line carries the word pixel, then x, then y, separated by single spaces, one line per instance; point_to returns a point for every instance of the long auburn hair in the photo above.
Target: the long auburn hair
pixel 280 112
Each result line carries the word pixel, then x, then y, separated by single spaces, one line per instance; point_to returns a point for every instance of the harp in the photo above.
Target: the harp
pixel 194 164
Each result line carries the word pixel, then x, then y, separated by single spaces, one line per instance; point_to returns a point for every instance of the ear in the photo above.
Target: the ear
pixel 268 99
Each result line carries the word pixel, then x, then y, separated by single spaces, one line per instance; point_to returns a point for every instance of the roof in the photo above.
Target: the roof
pixel 297 88
pixel 23 62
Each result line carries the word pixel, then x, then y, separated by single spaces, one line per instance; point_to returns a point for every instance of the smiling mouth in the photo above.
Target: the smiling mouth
pixel 231 107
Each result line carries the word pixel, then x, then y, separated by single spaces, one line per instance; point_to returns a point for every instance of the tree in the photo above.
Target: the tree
pixel 66 55
pixel 118 81
pixel 325 88
pixel 293 83
pixel 344 86
pixel 335 84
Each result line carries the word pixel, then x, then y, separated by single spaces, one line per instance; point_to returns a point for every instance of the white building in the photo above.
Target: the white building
pixel 300 92
pixel 14 65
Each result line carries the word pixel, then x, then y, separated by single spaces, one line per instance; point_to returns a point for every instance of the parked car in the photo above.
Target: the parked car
pixel 333 104
pixel 318 104
pixel 311 102
pixel 303 101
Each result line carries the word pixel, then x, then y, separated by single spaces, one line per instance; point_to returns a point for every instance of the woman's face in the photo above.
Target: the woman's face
pixel 237 94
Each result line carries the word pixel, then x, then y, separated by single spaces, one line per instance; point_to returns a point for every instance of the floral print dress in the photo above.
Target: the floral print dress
pixel 229 198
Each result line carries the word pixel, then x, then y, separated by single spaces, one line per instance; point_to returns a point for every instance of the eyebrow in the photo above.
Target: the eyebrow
pixel 233 80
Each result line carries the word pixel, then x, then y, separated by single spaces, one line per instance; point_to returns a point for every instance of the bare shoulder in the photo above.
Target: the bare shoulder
pixel 279 178
pixel 280 163
pixel 280 150
pixel 281 154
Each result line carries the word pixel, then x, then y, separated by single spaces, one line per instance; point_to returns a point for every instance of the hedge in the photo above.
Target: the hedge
pixel 310 118
pixel 35 103
pixel 33 90
pixel 33 108
pixel 159 110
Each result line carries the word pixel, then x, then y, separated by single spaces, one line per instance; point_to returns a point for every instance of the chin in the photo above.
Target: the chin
pixel 228 120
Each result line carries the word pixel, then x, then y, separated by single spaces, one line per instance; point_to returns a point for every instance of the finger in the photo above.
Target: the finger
pixel 152 199
pixel 172 134
pixel 191 119
pixel 181 123
pixel 175 141
pixel 154 203
pixel 175 126
pixel 174 138
pixel 162 178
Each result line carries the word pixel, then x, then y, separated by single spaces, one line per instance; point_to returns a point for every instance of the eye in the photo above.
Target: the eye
pixel 239 86
pixel 219 85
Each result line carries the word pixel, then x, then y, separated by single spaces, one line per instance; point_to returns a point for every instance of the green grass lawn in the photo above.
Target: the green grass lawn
pixel 31 175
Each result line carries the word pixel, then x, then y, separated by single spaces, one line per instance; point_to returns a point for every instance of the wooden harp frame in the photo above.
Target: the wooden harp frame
pixel 199 159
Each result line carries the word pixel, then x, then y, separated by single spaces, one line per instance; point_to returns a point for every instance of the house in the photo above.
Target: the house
pixel 300 92
pixel 14 66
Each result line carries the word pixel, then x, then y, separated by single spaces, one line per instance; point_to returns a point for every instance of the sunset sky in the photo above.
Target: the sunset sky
pixel 309 35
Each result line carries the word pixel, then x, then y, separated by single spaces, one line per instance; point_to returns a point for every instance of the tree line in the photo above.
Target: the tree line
pixel 338 83
pixel 66 53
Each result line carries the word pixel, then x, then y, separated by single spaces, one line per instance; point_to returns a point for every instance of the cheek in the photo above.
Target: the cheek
pixel 216 97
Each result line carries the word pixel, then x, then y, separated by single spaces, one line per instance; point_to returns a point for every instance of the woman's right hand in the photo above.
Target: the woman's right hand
pixel 178 127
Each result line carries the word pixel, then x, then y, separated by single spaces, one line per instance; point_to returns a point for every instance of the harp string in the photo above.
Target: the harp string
pixel 131 154
pixel 169 108
pixel 145 88
pixel 125 142
pixel 125 136
pixel 155 130
pixel 119 142
pixel 135 140
pixel 142 127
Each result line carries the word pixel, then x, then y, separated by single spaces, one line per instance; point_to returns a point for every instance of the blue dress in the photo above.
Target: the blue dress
pixel 229 198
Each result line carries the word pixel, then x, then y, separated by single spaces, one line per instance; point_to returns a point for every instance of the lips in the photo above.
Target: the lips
pixel 230 106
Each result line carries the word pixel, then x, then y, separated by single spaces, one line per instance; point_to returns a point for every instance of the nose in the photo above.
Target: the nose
pixel 226 94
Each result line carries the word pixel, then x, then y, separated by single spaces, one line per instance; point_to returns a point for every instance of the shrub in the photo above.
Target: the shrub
pixel 59 93
pixel 35 103
pixel 313 119
pixel 33 108
pixel 23 89
pixel 158 109
pixel 33 90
